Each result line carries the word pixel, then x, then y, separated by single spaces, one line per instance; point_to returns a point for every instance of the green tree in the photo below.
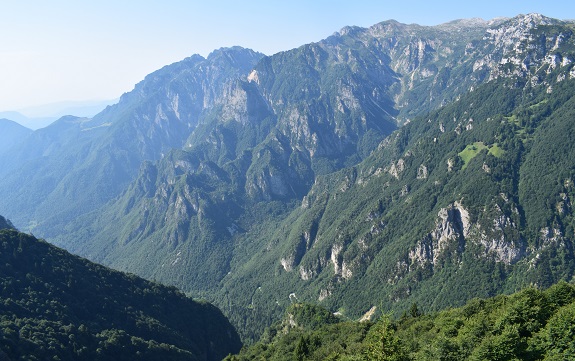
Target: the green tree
pixel 302 348
pixel 414 310
pixel 499 347
pixel 382 343
pixel 560 334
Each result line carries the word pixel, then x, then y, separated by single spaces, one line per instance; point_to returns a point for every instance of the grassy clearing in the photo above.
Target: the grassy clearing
pixel 472 150
pixel 496 151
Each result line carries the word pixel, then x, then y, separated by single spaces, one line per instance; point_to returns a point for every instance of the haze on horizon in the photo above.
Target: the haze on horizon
pixel 70 51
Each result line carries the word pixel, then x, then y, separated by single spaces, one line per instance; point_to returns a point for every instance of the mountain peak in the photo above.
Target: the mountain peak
pixel 465 23
pixel 11 123
pixel 230 51
pixel 240 57
pixel 11 133
pixel 350 30
pixel 532 19
pixel 194 58
pixel 5 223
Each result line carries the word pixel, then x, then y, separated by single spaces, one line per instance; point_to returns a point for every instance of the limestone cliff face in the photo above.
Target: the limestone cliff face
pixel 454 231
pixel 173 101
pixel 451 229
pixel 331 104
pixel 99 157
pixel 476 50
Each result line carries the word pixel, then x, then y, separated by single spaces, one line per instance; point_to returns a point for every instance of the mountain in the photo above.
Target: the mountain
pixel 59 306
pixel 262 220
pixel 470 200
pixel 77 164
pixel 315 109
pixel 434 217
pixel 43 115
pixel 528 325
pixel 87 108
pixel 32 123
pixel 257 181
pixel 5 223
pixel 297 114
pixel 11 133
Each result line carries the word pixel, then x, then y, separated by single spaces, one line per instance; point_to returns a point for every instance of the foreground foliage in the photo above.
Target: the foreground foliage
pixel 528 325
pixel 56 306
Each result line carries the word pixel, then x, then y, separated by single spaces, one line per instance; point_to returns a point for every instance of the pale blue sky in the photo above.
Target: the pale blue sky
pixel 61 50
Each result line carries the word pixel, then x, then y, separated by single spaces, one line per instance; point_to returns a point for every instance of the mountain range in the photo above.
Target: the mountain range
pixel 36 117
pixel 376 168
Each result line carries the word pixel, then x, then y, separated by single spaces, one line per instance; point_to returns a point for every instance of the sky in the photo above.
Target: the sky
pixel 87 50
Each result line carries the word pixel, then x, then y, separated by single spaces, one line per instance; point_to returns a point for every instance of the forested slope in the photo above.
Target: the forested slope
pixel 58 306
pixel 469 201
pixel 528 325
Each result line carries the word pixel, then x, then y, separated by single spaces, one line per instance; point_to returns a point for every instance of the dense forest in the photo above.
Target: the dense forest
pixel 528 325
pixel 56 306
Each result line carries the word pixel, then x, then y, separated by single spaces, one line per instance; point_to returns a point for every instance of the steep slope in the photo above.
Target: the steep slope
pixel 298 114
pixel 44 164
pixel 58 306
pixel 332 102
pixel 471 200
pixel 11 133
pixel 437 207
pixel 528 325
pixel 76 164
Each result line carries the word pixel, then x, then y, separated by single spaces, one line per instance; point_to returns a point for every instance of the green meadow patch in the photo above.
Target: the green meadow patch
pixel 471 150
